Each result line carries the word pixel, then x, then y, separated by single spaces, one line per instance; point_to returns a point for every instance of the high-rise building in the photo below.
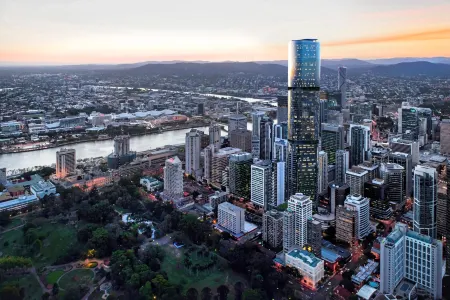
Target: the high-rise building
pixel 217 198
pixel 315 236
pixel 445 136
pixel 337 195
pixel 342 164
pixel 3 179
pixel 121 145
pixel 240 170
pixel 262 141
pixel 218 161
pixel 408 254
pixel 407 147
pixel 237 122
pixel 355 178
pixel 377 192
pixel 208 160
pixel 408 122
pixel 425 200
pixel 322 177
pixel 289 230
pixel 394 176
pixel 173 178
pixel 242 139
pixel 342 85
pixel 231 217
pixel 280 131
pixel 345 224
pixel 272 228
pixel 200 109
pixel 359 140
pixel 282 109
pixel 65 162
pixel 279 182
pixel 361 206
pixel 303 122
pixel 332 140
pixel 301 206
pixel 371 168
pixel 214 135
pixel 122 153
pixel 192 152
pixel 404 160
pixel 447 221
pixel 441 208
pixel 261 183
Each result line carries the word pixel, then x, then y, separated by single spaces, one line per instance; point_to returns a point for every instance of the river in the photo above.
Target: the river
pixel 47 157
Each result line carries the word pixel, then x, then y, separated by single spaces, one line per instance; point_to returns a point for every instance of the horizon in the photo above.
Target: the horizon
pixel 77 32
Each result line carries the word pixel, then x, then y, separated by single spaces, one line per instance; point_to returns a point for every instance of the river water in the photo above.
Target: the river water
pixel 47 157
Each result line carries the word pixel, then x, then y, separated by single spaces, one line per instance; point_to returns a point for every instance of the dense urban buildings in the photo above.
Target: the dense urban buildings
pixel 236 122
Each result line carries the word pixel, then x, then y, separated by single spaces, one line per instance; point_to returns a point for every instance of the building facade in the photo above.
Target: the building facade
pixel 342 85
pixel 301 206
pixel 359 140
pixel 231 217
pixel 192 152
pixel 355 178
pixel 242 139
pixel 425 200
pixel 236 122
pixel 261 183
pixel 173 178
pixel 65 162
pixel 332 137
pixel 272 228
pixel 308 265
pixel 239 174
pixel 322 176
pixel 361 206
pixel 342 164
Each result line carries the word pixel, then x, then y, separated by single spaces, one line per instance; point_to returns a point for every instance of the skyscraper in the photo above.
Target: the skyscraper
pixel 342 85
pixel 377 192
pixel 315 236
pixel 192 152
pixel 301 206
pixel 332 140
pixel 214 135
pixel 282 109
pixel 404 160
pixel 173 178
pixel 261 135
pixel 303 109
pixel 272 228
pixel 425 200
pixel 359 140
pixel 342 163
pixel 242 139
pixel 445 136
pixel 261 183
pixel 65 162
pixel 240 170
pixel 322 177
pixel 408 122
pixel 355 178
pixel 361 205
pixel 394 176
pixel 237 122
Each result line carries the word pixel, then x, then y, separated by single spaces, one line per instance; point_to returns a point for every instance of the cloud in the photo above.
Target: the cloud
pixel 435 34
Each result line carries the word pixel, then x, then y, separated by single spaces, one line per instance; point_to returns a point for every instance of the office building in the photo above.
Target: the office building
pixel 445 136
pixel 342 164
pixel 441 208
pixel 219 162
pixel 231 217
pixel 65 162
pixel 371 168
pixel 377 192
pixel 262 142
pixel 314 236
pixel 200 109
pixel 242 139
pixel 217 198
pixel 337 195
pixel 3 178
pixel 289 232
pixel 404 160
pixel 322 176
pixel 408 122
pixel 413 256
pixel 192 152
pixel 425 200
pixel 272 228
pixel 447 221
pixel 309 266
pixel 236 122
pixel 346 224
pixel 208 160
pixel 280 147
pixel 279 182
pixel 394 176
pixel 332 137
pixel 122 153
pixel 406 147
pixel 173 178
pixel 239 174
pixel 361 206
pixel 355 178
pixel 214 135
pixel 303 122
pixel 280 130
pixel 301 206
pixel 282 109
pixel 359 140
pixel 342 85
pixel 261 183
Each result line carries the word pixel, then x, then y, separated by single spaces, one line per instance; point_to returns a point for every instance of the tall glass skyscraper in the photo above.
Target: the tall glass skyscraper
pixel 303 111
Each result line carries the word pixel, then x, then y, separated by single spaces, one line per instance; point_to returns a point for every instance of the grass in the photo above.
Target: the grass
pixel 14 222
pixel 57 239
pixel 53 277
pixel 218 275
pixel 75 277
pixel 29 283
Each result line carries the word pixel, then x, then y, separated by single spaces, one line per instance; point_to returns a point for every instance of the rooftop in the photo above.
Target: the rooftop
pixel 42 185
pixel 305 256
pixel 420 237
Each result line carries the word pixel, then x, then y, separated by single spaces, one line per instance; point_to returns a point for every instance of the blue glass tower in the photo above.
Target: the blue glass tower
pixel 304 119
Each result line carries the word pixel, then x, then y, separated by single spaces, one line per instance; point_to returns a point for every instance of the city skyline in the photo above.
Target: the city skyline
pixel 79 32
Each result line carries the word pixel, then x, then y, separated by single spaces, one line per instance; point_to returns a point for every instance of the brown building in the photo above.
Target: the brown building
pixel 242 139
pixel 345 224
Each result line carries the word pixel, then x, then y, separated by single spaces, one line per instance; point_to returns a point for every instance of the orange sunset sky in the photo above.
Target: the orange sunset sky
pixel 101 31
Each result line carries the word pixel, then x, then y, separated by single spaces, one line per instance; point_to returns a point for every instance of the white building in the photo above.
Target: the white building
pixel 231 217
pixel 173 178
pixel 361 205
pixel 214 135
pixel 301 206
pixel 414 256
pixel 308 265
pixel 65 162
pixel 43 188
pixel 322 176
pixel 192 152
pixel 261 183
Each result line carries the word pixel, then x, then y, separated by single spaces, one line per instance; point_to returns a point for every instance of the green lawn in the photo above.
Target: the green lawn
pixel 57 239
pixel 76 277
pixel 32 288
pixel 53 277
pixel 178 274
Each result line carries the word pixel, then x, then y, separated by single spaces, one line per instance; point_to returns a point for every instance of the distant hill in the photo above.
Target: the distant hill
pixel 391 61
pixel 333 64
pixel 410 69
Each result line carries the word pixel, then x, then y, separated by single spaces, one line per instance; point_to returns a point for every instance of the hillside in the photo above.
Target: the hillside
pixel 411 69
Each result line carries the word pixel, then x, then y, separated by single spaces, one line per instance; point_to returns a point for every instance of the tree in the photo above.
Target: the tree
pixel 206 293
pixel 192 294
pixel 55 289
pixel 146 291
pixel 223 291
pixel 4 218
pixel 72 293
pixel 253 295
pixel 10 292
pixel 161 284
pixel 238 290
pixel 100 242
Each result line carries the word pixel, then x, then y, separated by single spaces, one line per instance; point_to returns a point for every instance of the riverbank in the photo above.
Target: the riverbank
pixel 94 138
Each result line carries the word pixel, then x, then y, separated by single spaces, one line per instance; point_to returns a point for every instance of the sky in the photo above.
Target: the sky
pixel 126 31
